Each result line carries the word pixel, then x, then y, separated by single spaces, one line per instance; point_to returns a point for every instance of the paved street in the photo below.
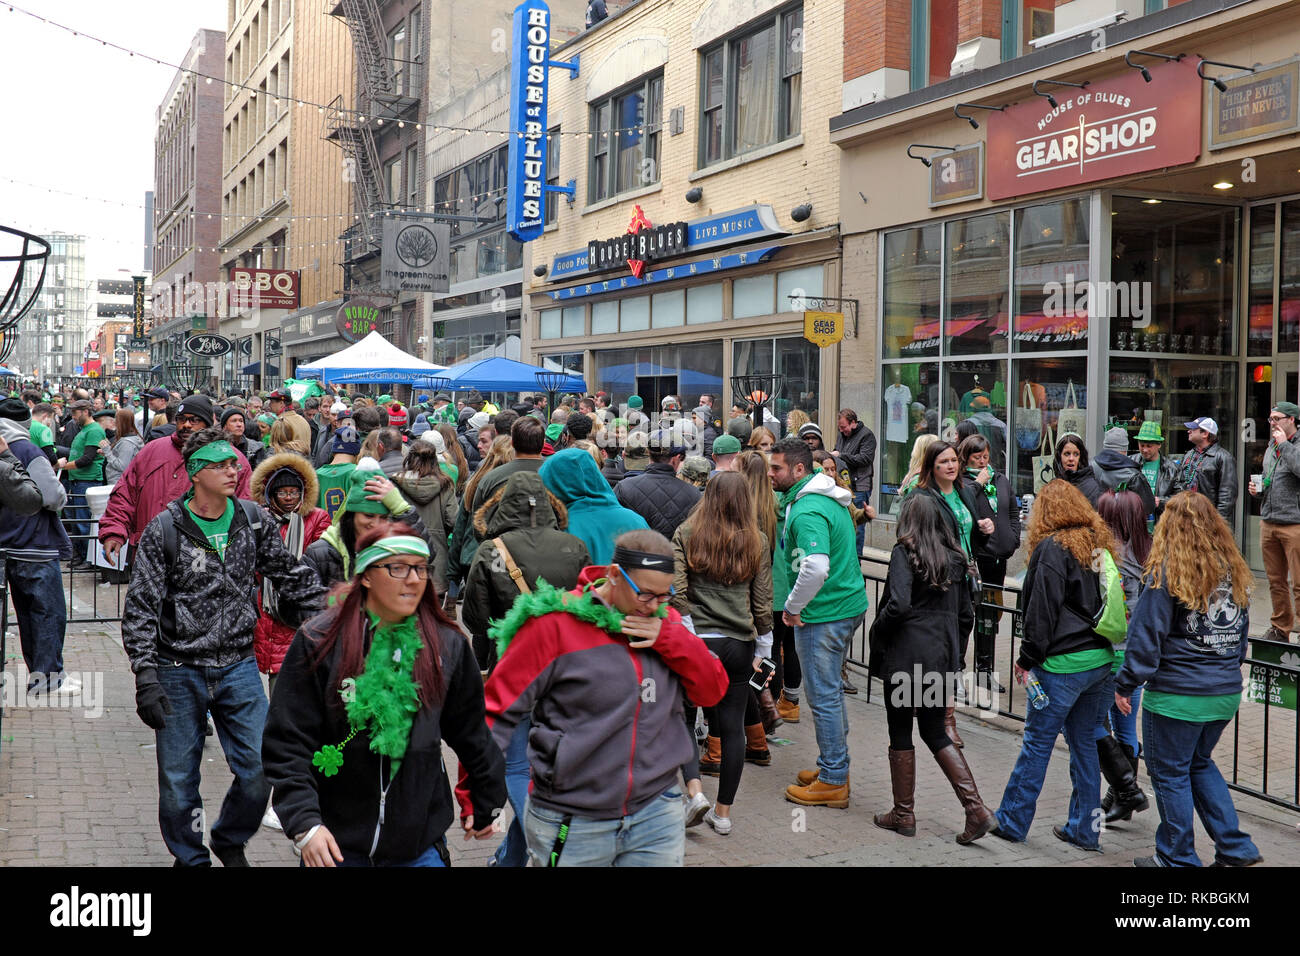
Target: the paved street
pixel 81 790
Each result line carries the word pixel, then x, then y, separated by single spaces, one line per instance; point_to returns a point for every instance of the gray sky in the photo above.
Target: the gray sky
pixel 79 117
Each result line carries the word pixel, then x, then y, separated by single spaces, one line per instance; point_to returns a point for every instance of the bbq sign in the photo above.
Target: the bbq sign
pixel 1111 128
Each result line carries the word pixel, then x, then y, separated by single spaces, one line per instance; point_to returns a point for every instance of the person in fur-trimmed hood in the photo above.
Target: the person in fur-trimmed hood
pixel 285 485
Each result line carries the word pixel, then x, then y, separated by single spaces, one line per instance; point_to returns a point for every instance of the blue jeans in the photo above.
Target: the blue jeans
pixel 41 608
pixel 1185 778
pixel 513 850
pixel 1077 704
pixel 822 649
pixel 1123 728
pixel 78 514
pixel 860 498
pixel 653 836
pixel 234 697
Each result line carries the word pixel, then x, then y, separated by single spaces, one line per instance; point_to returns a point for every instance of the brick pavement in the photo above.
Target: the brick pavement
pixel 78 790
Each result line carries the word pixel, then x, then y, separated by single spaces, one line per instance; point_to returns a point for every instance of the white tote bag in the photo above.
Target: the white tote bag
pixel 1072 420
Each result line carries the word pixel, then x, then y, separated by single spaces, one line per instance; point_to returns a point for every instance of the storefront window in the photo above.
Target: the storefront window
pixel 1051 277
pixel 795 359
pixel 1043 389
pixel 634 314
pixel 1288 333
pixel 1171 393
pixel 751 297
pixel 1175 258
pixel 704 304
pixel 794 284
pixel 668 308
pixel 549 324
pixel 976 285
pixel 1259 401
pixel 911 292
pixel 1259 332
pixel 573 320
pixel 604 317
pixel 977 392
pixel 568 361
pixel 907 414
pixel 654 372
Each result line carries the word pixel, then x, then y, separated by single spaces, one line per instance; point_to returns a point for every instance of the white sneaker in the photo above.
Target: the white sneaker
pixel 70 687
pixel 721 825
pixel 269 819
pixel 696 808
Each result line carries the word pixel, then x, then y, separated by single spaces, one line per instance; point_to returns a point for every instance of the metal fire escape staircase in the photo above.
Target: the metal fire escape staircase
pixel 369 43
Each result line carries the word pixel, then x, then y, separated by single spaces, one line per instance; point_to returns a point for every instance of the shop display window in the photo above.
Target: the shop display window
pixel 911 292
pixel 1052 289
pixel 907 412
pixel 1172 392
pixel 975 285
pixel 1049 395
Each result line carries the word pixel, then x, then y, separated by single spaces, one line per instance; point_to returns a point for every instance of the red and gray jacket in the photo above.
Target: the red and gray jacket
pixel 608 731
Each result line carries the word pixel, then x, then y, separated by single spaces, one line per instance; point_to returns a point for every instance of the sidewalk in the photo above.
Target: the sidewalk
pixel 80 790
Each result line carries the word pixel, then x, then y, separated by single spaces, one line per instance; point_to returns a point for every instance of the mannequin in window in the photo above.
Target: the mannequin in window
pixel 898 403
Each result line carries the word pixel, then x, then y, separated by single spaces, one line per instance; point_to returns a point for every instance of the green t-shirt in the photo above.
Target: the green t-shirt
pixel 1198 710
pixel 1078 661
pixel 818 524
pixel 217 532
pixel 450 470
pixel 88 436
pixel 964 520
pixel 1151 471
pixel 333 480
pixel 41 434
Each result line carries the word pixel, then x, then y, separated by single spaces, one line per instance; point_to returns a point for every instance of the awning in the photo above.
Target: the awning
pixel 256 369
pixel 1037 327
pixel 502 375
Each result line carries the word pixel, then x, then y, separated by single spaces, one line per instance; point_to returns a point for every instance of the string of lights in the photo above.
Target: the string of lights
pixel 360 117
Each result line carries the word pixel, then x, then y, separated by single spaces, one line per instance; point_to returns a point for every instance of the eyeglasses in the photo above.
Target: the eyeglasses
pixel 189 420
pixel 401 572
pixel 643 597
pixel 230 464
pixel 1278 418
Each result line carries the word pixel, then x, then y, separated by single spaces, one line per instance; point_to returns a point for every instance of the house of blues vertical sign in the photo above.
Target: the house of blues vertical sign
pixel 527 184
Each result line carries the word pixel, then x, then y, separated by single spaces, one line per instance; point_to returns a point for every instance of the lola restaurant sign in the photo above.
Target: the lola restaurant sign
pixel 1111 128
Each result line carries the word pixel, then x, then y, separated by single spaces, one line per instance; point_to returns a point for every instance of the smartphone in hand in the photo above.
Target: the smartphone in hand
pixel 763 674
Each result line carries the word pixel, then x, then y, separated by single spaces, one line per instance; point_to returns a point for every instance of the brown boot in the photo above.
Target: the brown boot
pixel 902 774
pixel 818 794
pixel 806 777
pixel 756 746
pixel 950 725
pixel 711 762
pixel 788 710
pixel 768 711
pixel 979 819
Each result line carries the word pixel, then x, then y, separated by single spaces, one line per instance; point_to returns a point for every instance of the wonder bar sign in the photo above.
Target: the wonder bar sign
pixel 527 154
pixel 1111 128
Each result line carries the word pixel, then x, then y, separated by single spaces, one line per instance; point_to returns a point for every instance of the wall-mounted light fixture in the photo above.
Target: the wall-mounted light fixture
pixel 1218 83
pixel 1146 74
pixel 801 212
pixel 694 194
pixel 974 106
pixel 539 271
pixel 1049 97
pixel 925 162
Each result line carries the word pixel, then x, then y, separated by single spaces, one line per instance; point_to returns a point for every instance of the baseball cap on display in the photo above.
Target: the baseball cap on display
pixel 1205 424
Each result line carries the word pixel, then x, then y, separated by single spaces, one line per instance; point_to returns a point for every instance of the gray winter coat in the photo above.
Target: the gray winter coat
pixel 201 609
pixel 434 498
pixel 119 455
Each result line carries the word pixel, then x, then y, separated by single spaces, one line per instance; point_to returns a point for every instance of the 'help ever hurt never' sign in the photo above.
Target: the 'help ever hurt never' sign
pixel 528 92
pixel 1110 128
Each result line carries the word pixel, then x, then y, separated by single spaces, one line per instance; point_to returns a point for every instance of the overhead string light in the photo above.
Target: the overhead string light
pixel 321 107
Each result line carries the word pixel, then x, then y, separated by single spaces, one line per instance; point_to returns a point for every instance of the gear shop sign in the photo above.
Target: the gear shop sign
pixel 1114 127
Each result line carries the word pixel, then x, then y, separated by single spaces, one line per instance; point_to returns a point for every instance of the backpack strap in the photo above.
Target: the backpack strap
pixel 515 574
pixel 169 536
pixel 252 512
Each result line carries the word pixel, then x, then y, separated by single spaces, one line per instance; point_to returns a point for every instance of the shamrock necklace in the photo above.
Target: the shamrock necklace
pixel 383 699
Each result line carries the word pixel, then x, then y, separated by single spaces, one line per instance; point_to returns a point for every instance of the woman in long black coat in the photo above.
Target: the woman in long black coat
pixel 916 651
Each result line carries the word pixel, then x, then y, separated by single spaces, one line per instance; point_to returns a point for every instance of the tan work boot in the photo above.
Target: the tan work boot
pixel 711 762
pixel 788 710
pixel 806 777
pixel 756 751
pixel 818 794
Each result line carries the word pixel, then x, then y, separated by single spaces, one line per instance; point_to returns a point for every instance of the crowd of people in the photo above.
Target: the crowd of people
pixel 596 606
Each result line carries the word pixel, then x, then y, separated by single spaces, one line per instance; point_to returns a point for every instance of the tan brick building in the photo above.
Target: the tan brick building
pixel 711 114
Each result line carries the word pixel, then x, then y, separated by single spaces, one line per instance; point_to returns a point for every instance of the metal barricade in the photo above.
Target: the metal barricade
pixel 1265 741
pixel 95 595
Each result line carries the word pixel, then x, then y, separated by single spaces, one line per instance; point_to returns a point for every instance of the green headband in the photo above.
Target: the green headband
pixel 209 454
pixel 398 544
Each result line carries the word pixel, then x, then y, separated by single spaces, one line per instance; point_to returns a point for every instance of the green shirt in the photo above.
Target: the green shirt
pixel 964 520
pixel 1078 661
pixel 1151 471
pixel 217 531
pixel 41 435
pixel 818 524
pixel 1198 710
pixel 88 436
pixel 333 480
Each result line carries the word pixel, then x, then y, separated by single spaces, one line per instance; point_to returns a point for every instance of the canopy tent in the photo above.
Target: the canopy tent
pixel 373 359
pixel 9 373
pixel 504 375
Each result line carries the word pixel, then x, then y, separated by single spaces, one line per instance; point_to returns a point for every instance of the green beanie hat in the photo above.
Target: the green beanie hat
pixel 554 431
pixel 635 402
pixel 357 502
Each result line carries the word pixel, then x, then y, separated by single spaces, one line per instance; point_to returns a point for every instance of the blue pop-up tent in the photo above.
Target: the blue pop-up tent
pixel 503 375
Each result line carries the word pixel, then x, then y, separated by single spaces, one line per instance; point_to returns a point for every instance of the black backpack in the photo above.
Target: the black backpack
pixel 251 511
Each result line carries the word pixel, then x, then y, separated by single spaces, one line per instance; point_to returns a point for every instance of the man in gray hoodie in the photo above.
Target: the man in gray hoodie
pixel 1115 471
pixel 1279 529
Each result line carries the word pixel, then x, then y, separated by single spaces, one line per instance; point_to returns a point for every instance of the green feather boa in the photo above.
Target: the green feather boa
pixel 384 699
pixel 546 599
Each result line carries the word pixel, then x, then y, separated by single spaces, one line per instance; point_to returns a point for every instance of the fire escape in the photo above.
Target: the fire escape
pixel 388 93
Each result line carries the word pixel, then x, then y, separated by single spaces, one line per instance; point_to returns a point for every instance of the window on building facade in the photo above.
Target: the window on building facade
pixel 393 180
pixel 552 202
pixel 625 147
pixel 397 56
pixel 751 88
pixel 934 41
pixel 413 198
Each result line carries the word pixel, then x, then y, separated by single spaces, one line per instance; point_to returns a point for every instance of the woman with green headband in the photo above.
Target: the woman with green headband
pixel 368 691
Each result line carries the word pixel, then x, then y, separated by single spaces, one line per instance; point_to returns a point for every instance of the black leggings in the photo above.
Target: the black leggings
pixel 929 722
pixel 728 716
pixel 786 658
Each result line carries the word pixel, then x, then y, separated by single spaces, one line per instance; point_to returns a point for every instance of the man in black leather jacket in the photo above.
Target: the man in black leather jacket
pixel 1209 468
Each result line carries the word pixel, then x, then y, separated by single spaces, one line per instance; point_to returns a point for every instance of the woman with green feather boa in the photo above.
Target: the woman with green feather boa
pixel 367 693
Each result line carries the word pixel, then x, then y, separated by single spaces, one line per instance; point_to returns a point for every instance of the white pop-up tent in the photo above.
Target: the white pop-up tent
pixel 373 359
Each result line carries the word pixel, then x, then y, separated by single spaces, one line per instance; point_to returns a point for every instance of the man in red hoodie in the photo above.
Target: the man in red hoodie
pixel 155 478
pixel 601 670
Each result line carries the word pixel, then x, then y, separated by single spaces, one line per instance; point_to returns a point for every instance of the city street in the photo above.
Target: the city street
pixel 79 790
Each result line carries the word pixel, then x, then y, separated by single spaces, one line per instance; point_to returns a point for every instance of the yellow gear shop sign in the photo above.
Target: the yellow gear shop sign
pixel 823 328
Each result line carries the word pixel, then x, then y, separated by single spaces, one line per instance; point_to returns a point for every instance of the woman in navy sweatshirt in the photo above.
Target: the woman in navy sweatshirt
pixel 1186 642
